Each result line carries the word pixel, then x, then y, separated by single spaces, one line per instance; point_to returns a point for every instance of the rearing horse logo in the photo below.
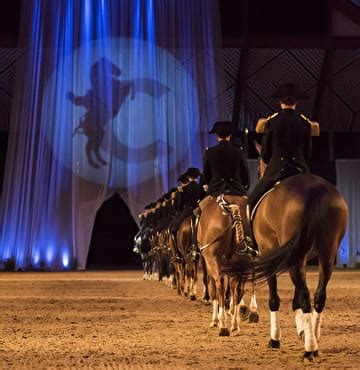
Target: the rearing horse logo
pixel 103 102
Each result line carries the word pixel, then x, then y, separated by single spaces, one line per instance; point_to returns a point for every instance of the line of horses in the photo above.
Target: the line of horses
pixel 302 217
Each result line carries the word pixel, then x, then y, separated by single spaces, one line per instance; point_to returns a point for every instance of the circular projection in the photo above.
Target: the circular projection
pixel 120 111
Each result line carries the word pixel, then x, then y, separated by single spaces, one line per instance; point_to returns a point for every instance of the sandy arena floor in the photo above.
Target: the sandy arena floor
pixel 117 320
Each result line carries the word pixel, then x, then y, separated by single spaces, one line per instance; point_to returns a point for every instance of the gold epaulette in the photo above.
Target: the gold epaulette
pixel 305 118
pixel 272 116
pixel 314 126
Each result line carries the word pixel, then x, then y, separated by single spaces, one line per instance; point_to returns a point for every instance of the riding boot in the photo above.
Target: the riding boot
pixel 247 244
pixel 194 227
pixel 177 258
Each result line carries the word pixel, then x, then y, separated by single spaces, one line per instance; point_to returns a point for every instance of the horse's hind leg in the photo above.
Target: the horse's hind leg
pixel 298 278
pixel 193 285
pixel 325 271
pixel 274 304
pixel 212 290
pixel 253 314
pixel 205 279
pixel 237 290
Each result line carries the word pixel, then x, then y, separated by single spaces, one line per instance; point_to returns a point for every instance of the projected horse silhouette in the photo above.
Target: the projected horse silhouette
pixel 103 102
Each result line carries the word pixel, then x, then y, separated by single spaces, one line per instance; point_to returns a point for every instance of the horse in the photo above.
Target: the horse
pixel 142 247
pixel 218 235
pixel 302 217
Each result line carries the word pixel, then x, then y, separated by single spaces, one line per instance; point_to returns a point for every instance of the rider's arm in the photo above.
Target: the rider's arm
pixel 260 126
pixel 207 168
pixel 245 178
pixel 266 150
pixel 308 146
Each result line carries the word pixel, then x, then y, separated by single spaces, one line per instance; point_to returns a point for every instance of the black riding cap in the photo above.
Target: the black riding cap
pixel 289 89
pixel 193 172
pixel 222 127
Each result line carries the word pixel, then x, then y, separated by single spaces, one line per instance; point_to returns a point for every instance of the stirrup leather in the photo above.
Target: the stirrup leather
pixel 244 244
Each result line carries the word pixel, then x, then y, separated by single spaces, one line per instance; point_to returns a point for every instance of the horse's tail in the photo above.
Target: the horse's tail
pixel 295 250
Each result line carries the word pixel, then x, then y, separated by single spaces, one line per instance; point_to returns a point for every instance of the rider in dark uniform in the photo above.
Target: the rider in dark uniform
pixel 189 197
pixel 225 168
pixel 226 172
pixel 287 143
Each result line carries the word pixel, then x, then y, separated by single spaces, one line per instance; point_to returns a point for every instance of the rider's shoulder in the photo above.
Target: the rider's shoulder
pixel 314 126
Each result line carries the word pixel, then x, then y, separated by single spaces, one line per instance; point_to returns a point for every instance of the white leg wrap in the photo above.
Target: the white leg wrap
pixel 215 319
pixel 299 317
pixel 253 305
pixel 310 340
pixel 231 306
pixel 222 317
pixel 242 302
pixel 317 318
pixel 235 319
pixel 275 332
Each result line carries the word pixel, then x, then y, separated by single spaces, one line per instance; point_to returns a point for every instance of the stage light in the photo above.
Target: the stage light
pixel 36 258
pixel 49 253
pixel 65 259
pixel 141 127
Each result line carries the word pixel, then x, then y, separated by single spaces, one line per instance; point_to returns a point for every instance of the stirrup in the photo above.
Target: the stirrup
pixel 194 251
pixel 247 247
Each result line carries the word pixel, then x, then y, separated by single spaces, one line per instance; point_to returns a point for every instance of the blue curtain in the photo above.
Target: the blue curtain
pixel 348 183
pixel 110 96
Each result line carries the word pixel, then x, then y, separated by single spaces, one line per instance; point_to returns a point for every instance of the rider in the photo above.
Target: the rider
pixel 226 172
pixel 225 168
pixel 286 146
pixel 189 197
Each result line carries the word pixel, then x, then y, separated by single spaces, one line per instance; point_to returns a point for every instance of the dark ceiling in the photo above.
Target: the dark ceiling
pixel 265 42
pixel 254 18
pixel 260 22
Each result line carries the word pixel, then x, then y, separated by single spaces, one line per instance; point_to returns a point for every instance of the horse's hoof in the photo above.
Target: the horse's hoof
pixel 206 298
pixel 244 313
pixel 192 298
pixel 274 343
pixel 185 294
pixel 309 356
pixel 213 324
pixel 224 332
pixel 206 302
pixel 234 328
pixel 253 317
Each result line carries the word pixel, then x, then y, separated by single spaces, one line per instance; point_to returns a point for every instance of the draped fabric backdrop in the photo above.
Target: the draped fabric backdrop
pixel 348 183
pixel 110 96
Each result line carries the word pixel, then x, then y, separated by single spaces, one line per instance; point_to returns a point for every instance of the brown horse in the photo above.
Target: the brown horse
pixel 217 237
pixel 191 259
pixel 302 217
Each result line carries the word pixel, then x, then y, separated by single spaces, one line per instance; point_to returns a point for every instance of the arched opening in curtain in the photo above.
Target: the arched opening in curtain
pixel 112 236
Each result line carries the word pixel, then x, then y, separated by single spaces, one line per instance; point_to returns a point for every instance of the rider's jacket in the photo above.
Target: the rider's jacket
pixel 225 170
pixel 288 139
pixel 286 150
pixel 190 196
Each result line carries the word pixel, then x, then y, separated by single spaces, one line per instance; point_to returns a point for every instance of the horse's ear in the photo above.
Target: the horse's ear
pixel 257 147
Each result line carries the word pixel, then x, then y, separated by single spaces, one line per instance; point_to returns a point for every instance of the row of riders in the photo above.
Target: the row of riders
pixel 289 217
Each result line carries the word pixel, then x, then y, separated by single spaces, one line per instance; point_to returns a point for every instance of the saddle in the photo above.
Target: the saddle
pixel 288 169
